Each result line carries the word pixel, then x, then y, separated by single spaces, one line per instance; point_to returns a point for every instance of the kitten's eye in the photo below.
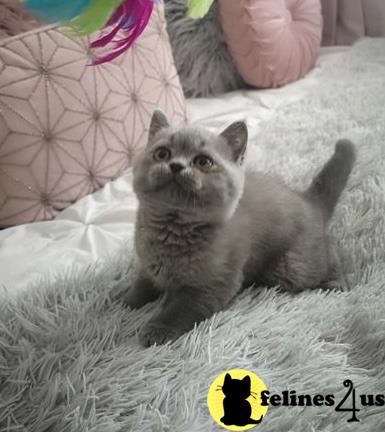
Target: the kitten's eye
pixel 204 163
pixel 162 154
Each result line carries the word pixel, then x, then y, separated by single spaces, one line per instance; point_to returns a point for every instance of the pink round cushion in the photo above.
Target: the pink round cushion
pixel 273 42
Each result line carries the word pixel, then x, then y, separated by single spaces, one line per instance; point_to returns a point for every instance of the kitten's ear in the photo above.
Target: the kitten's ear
pixel 236 137
pixel 158 121
pixel 247 381
pixel 227 379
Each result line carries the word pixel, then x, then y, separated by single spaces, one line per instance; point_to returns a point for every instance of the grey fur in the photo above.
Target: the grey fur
pixel 202 235
pixel 204 64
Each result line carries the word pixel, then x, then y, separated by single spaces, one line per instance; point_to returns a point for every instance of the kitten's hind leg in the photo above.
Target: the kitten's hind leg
pixel 337 278
pixel 304 266
pixel 142 292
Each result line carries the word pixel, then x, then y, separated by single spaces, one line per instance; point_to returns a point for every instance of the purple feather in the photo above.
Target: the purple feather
pixel 123 28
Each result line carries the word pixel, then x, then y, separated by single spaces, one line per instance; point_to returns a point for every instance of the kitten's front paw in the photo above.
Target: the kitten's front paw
pixel 158 333
pixel 141 293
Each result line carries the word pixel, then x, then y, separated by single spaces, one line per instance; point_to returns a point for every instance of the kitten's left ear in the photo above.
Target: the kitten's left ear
pixel 236 137
pixel 227 379
pixel 158 121
pixel 247 381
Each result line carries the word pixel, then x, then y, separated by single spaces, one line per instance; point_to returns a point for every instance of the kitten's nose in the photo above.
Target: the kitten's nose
pixel 176 167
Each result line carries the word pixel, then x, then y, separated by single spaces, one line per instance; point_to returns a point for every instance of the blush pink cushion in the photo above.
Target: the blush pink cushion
pixel 273 42
pixel 67 128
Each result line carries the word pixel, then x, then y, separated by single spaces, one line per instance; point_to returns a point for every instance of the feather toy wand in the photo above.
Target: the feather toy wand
pixel 121 22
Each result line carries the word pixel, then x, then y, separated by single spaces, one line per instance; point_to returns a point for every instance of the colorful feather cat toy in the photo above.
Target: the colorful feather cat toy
pixel 121 21
pixel 198 8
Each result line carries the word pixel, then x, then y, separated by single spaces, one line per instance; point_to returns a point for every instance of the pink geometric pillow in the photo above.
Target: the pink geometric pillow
pixel 66 128
pixel 273 42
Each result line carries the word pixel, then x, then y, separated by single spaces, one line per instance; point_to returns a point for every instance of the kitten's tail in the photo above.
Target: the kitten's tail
pixel 252 421
pixel 327 186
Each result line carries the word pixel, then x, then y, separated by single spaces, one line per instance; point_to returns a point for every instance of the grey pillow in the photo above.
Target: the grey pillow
pixel 202 59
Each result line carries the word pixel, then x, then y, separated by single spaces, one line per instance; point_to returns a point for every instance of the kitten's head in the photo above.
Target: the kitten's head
pixel 191 169
pixel 236 388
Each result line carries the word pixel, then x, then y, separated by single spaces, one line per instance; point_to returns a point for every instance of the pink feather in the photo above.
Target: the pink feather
pixel 123 28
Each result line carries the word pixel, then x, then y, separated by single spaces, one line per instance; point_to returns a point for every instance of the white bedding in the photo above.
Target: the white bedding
pixel 100 223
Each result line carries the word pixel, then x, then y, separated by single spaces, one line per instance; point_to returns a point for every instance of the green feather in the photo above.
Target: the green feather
pixel 94 17
pixel 199 8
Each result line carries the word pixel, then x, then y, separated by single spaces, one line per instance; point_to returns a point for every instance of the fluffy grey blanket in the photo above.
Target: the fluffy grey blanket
pixel 69 356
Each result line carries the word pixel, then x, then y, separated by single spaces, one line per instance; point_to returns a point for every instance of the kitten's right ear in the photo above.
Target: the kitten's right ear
pixel 236 137
pixel 158 121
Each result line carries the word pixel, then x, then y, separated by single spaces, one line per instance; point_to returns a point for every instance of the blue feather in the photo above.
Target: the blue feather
pixel 54 10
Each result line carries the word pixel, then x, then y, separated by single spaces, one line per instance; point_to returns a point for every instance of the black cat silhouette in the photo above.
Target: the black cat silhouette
pixel 237 409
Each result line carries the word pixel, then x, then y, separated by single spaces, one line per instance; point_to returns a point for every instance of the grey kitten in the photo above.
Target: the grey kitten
pixel 205 228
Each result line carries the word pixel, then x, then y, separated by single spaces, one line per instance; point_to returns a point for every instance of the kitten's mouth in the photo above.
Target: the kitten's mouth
pixel 186 184
pixel 178 181
pixel 179 188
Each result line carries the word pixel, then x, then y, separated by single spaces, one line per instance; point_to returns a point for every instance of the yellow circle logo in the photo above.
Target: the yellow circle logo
pixel 234 400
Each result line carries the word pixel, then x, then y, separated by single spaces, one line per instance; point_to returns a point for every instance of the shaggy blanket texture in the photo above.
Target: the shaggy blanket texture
pixel 69 355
